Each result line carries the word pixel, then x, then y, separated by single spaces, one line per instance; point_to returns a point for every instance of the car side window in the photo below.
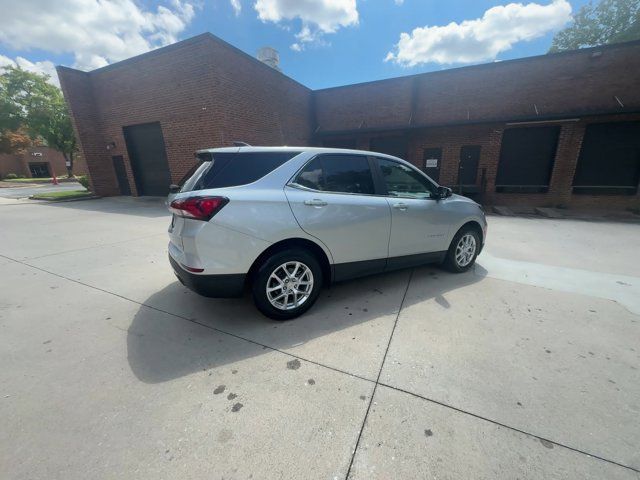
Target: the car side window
pixel 337 173
pixel 404 181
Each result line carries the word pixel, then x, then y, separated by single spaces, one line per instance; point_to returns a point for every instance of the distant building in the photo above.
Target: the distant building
pixel 558 129
pixel 39 162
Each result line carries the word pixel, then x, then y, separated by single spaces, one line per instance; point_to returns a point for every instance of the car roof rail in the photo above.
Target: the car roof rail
pixel 240 144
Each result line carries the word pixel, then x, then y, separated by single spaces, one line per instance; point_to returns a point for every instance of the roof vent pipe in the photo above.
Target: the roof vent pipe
pixel 269 56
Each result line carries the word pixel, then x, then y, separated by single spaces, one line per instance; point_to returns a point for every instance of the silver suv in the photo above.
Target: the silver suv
pixel 285 221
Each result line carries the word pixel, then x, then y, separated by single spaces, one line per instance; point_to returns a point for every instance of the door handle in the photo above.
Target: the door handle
pixel 316 202
pixel 400 206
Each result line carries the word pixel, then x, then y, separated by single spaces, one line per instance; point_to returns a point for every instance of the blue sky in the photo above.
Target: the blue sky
pixel 322 43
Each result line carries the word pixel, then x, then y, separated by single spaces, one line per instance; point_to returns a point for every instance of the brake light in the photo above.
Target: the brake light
pixel 198 208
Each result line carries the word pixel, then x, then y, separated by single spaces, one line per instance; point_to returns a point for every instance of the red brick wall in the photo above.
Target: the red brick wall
pixel 574 83
pixel 11 163
pixel 19 163
pixel 203 92
pixel 369 105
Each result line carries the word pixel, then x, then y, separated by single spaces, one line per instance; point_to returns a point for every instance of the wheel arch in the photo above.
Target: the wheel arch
pixel 473 224
pixel 306 244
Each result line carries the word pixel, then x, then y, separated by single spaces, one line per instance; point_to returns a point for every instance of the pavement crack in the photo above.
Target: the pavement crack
pixel 377 382
pixel 515 429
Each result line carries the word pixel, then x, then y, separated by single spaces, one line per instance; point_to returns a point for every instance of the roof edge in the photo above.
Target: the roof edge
pixel 202 37
pixel 563 117
pixel 494 64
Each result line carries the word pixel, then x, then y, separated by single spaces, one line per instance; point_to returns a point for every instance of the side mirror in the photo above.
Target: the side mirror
pixel 173 188
pixel 443 192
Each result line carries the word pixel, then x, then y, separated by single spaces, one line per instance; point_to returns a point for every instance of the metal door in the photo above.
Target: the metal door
pixel 145 146
pixel 121 175
pixel 468 169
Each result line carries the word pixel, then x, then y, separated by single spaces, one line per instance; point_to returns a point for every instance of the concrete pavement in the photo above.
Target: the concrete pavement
pixel 112 369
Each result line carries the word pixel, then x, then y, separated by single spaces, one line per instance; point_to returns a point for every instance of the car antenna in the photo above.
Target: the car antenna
pixel 241 144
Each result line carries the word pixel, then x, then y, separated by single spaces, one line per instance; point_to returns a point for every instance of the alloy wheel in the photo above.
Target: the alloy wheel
pixel 289 285
pixel 465 250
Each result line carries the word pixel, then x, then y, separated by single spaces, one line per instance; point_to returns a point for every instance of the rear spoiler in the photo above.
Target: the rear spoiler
pixel 204 156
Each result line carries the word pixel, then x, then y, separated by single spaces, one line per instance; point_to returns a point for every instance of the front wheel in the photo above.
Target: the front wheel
pixel 463 250
pixel 287 284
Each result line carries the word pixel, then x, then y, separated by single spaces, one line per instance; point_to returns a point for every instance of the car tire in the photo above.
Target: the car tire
pixel 275 289
pixel 463 250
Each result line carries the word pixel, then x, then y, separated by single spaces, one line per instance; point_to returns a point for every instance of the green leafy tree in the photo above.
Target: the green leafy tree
pixel 30 104
pixel 609 21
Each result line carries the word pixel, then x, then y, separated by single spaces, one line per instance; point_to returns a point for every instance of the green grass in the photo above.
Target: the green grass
pixel 65 195
pixel 31 180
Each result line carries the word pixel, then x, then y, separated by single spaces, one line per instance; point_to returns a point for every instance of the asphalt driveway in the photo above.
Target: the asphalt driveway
pixel 526 367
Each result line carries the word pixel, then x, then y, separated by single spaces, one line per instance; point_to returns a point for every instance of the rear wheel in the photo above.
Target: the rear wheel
pixel 287 284
pixel 463 250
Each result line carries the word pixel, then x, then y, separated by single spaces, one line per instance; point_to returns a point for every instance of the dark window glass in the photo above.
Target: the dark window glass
pixel 609 161
pixel 233 169
pixel 39 170
pixel 526 159
pixel 340 143
pixel 395 146
pixel 337 173
pixel 404 181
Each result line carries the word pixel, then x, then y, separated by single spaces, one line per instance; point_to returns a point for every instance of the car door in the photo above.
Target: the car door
pixel 333 199
pixel 419 221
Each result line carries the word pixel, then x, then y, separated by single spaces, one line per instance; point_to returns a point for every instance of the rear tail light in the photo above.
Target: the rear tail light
pixel 198 208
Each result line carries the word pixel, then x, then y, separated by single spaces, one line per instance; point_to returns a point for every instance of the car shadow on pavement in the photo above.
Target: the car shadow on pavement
pixel 164 346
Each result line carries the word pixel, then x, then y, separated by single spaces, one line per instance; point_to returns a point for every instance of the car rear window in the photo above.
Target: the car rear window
pixel 233 169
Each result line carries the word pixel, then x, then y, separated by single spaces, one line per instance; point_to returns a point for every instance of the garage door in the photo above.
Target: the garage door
pixel 609 161
pixel 526 159
pixel 396 146
pixel 145 146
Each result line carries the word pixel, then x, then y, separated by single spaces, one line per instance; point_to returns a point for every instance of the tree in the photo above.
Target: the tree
pixel 610 21
pixel 33 108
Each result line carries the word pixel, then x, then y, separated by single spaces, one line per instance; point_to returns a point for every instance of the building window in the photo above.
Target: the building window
pixel 526 159
pixel 39 169
pixel 609 161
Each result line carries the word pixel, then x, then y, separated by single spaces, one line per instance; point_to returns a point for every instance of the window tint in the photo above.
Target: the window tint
pixel 403 181
pixel 338 173
pixel 233 169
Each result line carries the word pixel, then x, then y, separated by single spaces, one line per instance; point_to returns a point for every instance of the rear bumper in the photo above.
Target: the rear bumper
pixel 216 286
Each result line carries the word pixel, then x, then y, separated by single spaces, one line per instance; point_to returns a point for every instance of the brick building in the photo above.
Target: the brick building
pixel 558 129
pixel 39 162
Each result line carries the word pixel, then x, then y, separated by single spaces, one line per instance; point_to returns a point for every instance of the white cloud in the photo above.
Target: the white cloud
pixel 45 67
pixel 480 39
pixel 318 17
pixel 237 7
pixel 399 2
pixel 95 32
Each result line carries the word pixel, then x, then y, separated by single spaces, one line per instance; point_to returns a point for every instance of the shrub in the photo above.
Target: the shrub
pixel 84 181
pixel 11 176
